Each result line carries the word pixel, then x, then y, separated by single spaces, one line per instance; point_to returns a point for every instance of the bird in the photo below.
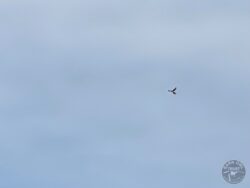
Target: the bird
pixel 173 91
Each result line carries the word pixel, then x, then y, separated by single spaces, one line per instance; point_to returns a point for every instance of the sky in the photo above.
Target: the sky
pixel 84 93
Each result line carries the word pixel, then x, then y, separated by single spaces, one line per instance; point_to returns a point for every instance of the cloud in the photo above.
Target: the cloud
pixel 84 98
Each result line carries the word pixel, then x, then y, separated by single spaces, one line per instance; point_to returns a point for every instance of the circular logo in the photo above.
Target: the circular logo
pixel 233 172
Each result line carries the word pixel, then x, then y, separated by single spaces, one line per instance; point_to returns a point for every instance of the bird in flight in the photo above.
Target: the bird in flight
pixel 173 91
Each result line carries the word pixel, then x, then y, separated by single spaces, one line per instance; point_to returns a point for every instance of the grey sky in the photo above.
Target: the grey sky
pixel 84 99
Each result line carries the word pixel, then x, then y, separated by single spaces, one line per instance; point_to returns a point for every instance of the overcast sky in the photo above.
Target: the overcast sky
pixel 84 93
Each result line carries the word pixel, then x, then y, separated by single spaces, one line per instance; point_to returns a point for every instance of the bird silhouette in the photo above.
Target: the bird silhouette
pixel 173 91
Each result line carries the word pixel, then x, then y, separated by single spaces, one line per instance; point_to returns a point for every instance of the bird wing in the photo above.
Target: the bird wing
pixel 174 89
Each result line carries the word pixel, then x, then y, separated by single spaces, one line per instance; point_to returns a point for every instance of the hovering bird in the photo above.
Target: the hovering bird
pixel 173 91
